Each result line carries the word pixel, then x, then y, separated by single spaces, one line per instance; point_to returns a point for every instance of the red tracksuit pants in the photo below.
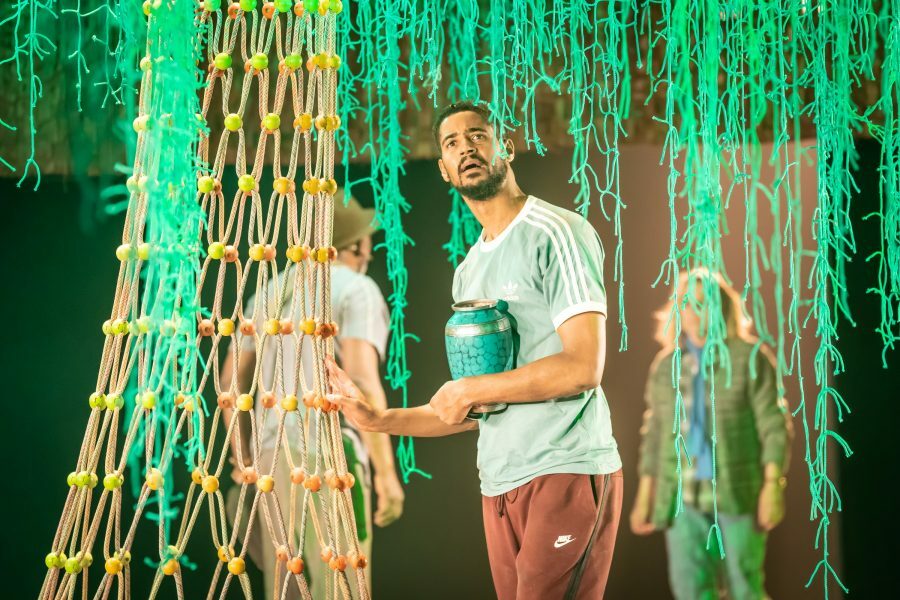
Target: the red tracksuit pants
pixel 553 538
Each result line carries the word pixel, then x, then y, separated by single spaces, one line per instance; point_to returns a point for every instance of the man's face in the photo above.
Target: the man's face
pixel 469 161
pixel 695 313
pixel 364 253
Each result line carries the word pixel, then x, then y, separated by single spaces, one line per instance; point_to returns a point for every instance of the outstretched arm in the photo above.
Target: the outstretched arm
pixel 419 421
pixel 360 359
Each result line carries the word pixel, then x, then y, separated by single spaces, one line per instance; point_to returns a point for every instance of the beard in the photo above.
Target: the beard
pixel 487 188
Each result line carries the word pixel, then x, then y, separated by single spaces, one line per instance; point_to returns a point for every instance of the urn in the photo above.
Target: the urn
pixel 480 339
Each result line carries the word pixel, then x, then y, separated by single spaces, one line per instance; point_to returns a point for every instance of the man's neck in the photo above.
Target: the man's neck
pixel 345 262
pixel 695 339
pixel 495 214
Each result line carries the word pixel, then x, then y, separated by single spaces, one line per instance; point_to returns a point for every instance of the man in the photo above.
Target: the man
pixel 550 471
pixel 751 454
pixel 361 313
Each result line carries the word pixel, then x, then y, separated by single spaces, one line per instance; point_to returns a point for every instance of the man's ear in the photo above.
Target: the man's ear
pixel 443 170
pixel 510 150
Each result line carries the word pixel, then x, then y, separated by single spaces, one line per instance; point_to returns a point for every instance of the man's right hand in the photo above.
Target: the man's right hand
pixel 345 394
pixel 640 518
pixel 389 495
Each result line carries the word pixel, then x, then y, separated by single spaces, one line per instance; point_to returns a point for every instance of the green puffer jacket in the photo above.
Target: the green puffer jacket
pixel 752 424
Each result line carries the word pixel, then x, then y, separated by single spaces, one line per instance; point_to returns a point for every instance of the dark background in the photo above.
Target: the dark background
pixel 59 276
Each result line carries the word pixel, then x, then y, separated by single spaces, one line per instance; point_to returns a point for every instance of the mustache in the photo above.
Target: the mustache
pixel 470 161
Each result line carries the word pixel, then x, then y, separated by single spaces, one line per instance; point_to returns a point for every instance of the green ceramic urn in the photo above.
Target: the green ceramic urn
pixel 480 340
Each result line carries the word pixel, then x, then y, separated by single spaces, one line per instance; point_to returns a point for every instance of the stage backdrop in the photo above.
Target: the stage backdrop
pixel 58 280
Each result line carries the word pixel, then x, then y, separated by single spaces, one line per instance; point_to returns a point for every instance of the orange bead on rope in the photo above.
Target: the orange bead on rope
pixel 206 328
pixel 268 399
pixel 327 330
pixel 225 400
pixel 313 483
pixel 338 563
pixel 295 565
pixel 357 561
pixel 297 475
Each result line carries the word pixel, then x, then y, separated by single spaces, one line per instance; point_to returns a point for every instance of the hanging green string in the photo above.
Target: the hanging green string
pixel 28 20
pixel 167 177
pixel 464 228
pixel 836 36
pixel 888 255
pixel 380 76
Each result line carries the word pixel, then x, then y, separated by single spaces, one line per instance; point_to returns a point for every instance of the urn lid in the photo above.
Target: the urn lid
pixel 473 305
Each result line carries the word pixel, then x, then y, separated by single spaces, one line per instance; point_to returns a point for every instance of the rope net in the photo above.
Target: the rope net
pixel 165 347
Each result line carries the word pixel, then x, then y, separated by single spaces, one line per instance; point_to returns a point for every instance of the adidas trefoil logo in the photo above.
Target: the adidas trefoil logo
pixel 509 291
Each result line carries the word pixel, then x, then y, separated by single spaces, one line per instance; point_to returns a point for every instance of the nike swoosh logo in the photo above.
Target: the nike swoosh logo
pixel 563 540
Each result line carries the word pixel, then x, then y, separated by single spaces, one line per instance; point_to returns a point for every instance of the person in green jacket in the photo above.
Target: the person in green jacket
pixel 753 434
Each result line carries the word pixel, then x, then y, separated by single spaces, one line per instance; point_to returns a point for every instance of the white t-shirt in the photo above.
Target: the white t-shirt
pixel 360 312
pixel 548 266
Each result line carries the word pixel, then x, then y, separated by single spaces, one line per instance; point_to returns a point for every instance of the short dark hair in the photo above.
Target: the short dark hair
pixel 458 107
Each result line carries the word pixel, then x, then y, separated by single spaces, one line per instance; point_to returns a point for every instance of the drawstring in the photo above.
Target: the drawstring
pixel 500 501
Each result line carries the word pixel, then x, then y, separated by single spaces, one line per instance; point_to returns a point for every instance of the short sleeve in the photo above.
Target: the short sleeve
pixel 571 269
pixel 362 314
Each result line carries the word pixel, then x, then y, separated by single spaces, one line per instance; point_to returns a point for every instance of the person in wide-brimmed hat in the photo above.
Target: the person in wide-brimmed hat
pixel 361 313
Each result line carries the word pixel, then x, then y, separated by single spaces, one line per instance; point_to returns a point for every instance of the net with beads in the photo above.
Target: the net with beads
pixel 283 54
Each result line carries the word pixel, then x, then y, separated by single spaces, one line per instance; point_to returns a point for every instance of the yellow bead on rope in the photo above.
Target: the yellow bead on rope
pixel 170 567
pixel 245 402
pixel 308 326
pixel 265 484
pixel 210 484
pixel 197 476
pixel 141 123
pixel 216 250
pixel 222 61
pixel 226 327
pixel 247 183
pixel 55 560
pixel 113 565
pixel 289 402
pixel 113 481
pixel 154 479
pixel 206 184
pixel 123 252
pixel 236 566
pixel 271 122
pixel 329 186
pixel 233 122
pixel 225 554
pixel 115 401
pixel 273 326
pixel 97 401
pixel 283 186
pixel 311 186
pixel 148 400
pixel 304 122
pixel 257 252
pixel 297 253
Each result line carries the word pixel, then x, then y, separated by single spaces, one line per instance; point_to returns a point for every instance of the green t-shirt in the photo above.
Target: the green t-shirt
pixel 548 265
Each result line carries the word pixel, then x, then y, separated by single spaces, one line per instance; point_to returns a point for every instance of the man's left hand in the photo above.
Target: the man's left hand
pixel 451 403
pixel 770 510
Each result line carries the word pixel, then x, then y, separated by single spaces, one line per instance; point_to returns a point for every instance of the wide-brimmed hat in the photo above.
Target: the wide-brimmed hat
pixel 351 222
